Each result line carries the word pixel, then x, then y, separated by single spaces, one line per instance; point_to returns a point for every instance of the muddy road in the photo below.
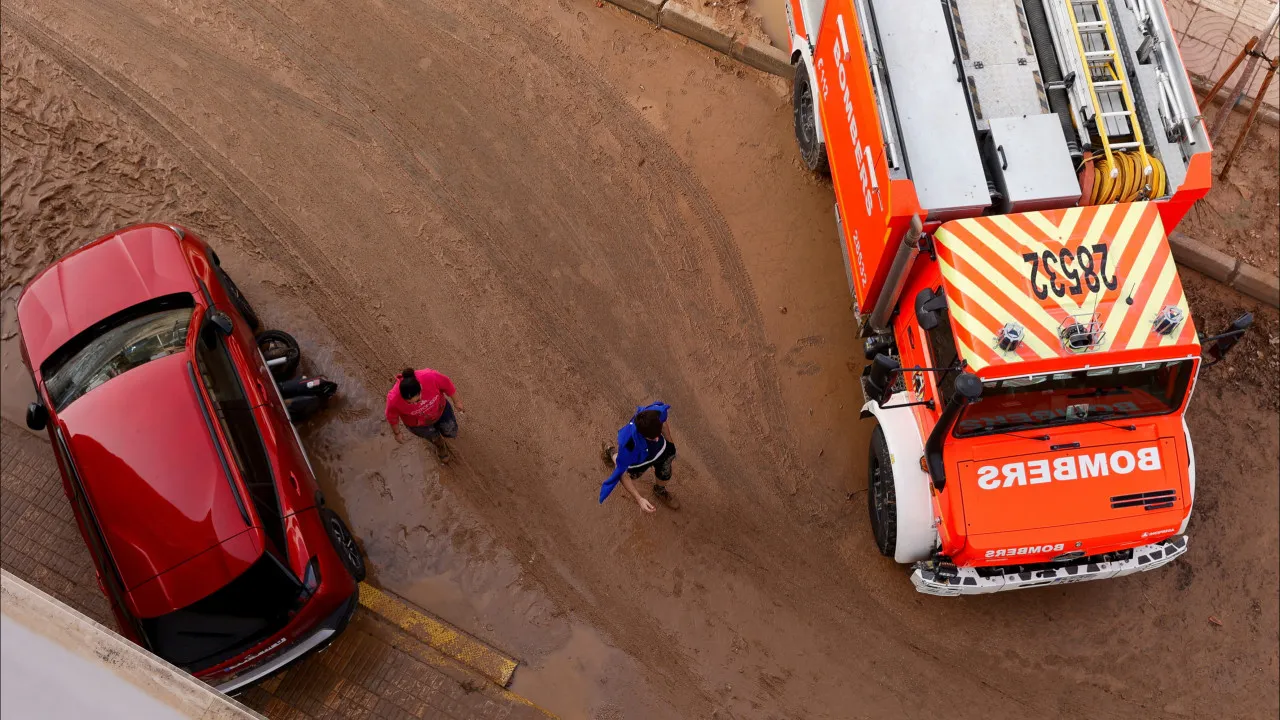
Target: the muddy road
pixel 571 213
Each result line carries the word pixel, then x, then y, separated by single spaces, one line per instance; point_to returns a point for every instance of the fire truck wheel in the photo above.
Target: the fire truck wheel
pixel 881 498
pixel 812 151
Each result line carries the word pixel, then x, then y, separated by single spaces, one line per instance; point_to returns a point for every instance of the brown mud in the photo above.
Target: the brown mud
pixel 571 213
pixel 1241 214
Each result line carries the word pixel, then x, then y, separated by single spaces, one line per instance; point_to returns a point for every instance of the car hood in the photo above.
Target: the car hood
pixel 1099 494
pixel 109 275
pixel 154 477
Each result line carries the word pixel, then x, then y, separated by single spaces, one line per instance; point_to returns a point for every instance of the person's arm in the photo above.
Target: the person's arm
pixel 445 383
pixel 393 419
pixel 644 504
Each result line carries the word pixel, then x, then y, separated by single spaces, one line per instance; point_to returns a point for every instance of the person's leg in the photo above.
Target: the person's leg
pixel 429 432
pixel 426 432
pixel 662 471
pixel 446 427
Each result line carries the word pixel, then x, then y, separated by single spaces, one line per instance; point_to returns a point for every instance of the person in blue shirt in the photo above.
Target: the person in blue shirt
pixel 642 444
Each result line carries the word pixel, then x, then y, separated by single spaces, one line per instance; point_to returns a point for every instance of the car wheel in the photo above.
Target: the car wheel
pixel 281 353
pixel 345 543
pixel 881 497
pixel 237 298
pixel 813 152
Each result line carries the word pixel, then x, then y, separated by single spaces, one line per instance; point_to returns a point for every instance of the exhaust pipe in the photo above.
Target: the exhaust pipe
pixel 897 277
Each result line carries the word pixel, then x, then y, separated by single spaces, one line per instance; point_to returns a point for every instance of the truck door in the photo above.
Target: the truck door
pixel 811 14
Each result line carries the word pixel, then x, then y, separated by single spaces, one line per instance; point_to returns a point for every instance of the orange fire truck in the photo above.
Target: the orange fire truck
pixel 1005 173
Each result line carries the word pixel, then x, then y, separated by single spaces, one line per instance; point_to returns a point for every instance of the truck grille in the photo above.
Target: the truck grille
pixel 1154 500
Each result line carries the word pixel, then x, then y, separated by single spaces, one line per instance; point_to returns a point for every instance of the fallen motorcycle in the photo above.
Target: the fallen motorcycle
pixel 303 396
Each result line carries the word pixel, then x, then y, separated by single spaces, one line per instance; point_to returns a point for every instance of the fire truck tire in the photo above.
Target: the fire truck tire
pixel 812 150
pixel 881 496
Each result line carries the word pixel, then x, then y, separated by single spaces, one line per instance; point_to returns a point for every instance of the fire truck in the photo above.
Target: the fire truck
pixel 1006 173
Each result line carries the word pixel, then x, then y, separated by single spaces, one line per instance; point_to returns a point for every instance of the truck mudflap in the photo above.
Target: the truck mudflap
pixel 968 582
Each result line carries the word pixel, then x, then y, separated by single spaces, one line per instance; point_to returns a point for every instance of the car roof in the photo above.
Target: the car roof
pixel 153 475
pixel 115 272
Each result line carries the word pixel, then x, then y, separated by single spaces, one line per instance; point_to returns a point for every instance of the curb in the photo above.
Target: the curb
pixel 684 20
pixel 1230 271
pixel 439 635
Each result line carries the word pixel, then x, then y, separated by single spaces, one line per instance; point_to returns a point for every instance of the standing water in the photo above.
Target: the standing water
pixel 773 15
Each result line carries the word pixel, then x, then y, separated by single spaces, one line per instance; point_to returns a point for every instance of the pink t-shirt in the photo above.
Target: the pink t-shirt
pixel 430 405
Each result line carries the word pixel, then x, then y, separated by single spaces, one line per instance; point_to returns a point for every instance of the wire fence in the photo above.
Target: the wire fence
pixel 1212 32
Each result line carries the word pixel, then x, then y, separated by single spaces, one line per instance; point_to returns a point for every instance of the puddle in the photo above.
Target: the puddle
pixel 573 679
pixel 773 15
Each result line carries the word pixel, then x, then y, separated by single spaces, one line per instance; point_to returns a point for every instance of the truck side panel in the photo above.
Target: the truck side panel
pixel 873 209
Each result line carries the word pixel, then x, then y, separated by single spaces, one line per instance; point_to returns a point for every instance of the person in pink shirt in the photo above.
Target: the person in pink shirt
pixel 424 400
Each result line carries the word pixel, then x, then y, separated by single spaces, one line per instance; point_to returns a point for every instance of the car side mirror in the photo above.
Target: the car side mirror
pixel 37 416
pixel 881 375
pixel 928 304
pixel 220 320
pixel 1217 346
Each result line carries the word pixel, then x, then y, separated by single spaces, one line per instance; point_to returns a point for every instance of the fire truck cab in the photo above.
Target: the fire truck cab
pixel 1006 173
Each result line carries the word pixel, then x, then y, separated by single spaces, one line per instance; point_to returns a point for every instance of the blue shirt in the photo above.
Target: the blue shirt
pixel 634 448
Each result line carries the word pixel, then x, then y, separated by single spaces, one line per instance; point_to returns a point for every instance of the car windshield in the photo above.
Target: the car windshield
pixel 1078 396
pixel 249 609
pixel 116 348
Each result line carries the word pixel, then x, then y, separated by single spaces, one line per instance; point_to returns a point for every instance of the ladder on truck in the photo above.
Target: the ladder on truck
pixel 1104 84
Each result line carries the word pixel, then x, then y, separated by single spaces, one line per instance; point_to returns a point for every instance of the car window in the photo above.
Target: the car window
pixel 942 353
pixel 249 609
pixel 1077 396
pixel 235 416
pixel 114 349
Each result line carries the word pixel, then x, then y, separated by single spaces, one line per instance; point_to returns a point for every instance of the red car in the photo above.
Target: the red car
pixel 189 483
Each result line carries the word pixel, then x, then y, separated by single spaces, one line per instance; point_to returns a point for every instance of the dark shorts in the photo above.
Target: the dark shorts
pixel 447 425
pixel 661 465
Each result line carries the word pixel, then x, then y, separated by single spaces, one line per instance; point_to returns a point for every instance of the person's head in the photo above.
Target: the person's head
pixel 410 388
pixel 649 423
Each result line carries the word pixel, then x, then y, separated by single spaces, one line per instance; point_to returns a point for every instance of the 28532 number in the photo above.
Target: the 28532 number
pixel 1090 276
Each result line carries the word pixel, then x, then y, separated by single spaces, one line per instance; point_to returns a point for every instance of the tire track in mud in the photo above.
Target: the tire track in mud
pixel 211 171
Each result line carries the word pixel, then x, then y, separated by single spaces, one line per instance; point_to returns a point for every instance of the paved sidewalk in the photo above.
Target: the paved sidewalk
pixel 376 669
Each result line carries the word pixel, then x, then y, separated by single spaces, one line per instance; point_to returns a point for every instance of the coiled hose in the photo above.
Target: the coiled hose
pixel 1127 183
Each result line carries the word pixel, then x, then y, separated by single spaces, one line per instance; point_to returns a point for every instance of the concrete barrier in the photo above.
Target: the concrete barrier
pixel 647 9
pixel 692 24
pixel 1253 282
pixel 763 56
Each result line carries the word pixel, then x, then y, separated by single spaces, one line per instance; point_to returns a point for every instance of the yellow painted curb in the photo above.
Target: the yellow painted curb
pixel 441 636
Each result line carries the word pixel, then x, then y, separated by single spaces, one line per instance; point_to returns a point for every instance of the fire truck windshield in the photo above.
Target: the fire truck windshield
pixel 1078 396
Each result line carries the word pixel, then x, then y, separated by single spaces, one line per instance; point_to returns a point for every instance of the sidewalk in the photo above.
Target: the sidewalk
pixel 386 664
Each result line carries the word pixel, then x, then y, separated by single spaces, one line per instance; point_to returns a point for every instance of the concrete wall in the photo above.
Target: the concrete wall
pixel 57 663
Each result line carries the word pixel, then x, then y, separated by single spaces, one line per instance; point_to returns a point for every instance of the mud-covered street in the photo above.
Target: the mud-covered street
pixel 571 213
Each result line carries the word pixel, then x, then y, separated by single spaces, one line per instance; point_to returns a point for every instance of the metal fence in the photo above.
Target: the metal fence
pixel 1212 32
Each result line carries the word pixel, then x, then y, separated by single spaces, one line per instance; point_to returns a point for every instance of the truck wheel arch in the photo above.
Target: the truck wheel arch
pixel 917 538
pixel 802 57
pixel 1191 477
